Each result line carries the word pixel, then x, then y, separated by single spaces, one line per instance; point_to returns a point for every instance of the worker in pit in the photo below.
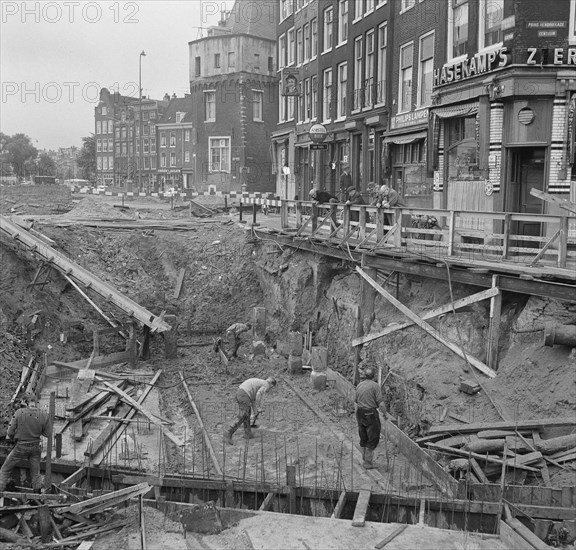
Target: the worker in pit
pixel 28 425
pixel 249 398
pixel 368 401
pixel 233 333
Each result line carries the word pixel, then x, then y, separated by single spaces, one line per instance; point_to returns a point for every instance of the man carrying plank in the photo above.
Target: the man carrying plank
pixel 27 426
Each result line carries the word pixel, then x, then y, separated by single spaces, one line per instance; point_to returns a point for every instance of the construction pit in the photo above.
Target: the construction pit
pixel 110 309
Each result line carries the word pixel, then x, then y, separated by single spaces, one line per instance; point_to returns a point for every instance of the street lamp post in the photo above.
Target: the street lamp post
pixel 142 54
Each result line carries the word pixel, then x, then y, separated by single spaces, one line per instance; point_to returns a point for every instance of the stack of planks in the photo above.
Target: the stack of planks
pixel 481 451
pixel 48 518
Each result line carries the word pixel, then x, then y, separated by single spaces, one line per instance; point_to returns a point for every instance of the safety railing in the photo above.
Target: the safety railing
pixel 532 240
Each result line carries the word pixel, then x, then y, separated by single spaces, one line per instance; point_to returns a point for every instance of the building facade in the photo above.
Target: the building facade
pixel 233 85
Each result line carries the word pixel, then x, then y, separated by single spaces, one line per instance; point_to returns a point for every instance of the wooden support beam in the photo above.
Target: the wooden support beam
pixel 267 504
pixel 339 506
pixel 494 327
pixel 99 503
pixel 428 328
pixel 213 455
pixel 478 470
pixel 529 538
pixel 134 404
pixel 398 531
pixel 362 503
pixel 537 424
pixel 179 282
pixel 44 497
pixel 447 308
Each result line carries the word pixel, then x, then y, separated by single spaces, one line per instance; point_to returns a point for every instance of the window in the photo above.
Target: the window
pixel 123 132
pixel 179 117
pixel 299 47
pixel 256 61
pixel 307 99
pixel 104 110
pixel 285 8
pixel 153 163
pixel 307 42
pixel 137 146
pixel 146 163
pixel 209 106
pixel 186 135
pixel 117 132
pixel 282 51
pixel 257 105
pixel 326 114
pixel 216 60
pixel 186 156
pixel 314 99
pixel 231 60
pixel 405 91
pixel 425 70
pixel 98 145
pixel 130 149
pixel 270 64
pixel 291 47
pixel 110 127
pixel 369 71
pixel 458 29
pixel 172 139
pixel 328 14
pixel 382 55
pixel 146 146
pixel 172 159
pixel 162 139
pixel 314 33
pixel 572 25
pixel 406 5
pixel 491 16
pixel 342 21
pixel 219 154
pixel 98 127
pixel 462 149
pixel 358 64
pixel 104 145
pixel 99 163
pixel 117 152
pixel 124 150
pixel 104 163
pixel 146 129
pixel 153 145
pixel 162 160
pixel 368 6
pixel 342 77
pixel 152 115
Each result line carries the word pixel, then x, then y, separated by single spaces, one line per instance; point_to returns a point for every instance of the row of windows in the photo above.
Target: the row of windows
pixel 370 71
pixel 107 126
pixel 231 62
pixel 219 153
pixel 362 7
pixel 256 98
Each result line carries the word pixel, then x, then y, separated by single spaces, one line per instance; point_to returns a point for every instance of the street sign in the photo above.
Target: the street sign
pixel 318 146
pixel 317 133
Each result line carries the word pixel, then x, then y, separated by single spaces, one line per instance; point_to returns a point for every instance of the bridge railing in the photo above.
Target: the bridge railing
pixel 534 240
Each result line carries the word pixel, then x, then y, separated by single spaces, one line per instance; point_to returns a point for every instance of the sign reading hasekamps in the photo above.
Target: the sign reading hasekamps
pixel 471 66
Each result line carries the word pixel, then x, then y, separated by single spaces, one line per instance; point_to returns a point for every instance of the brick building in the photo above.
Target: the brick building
pixel 233 86
pixel 176 154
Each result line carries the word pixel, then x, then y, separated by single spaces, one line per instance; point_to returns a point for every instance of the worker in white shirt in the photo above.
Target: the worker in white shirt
pixel 249 398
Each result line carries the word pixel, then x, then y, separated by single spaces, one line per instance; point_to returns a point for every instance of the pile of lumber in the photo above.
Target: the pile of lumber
pixel 483 451
pixel 62 520
pixel 97 395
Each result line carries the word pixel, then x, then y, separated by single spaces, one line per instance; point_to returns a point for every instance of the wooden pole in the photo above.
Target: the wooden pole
pixel 494 328
pixel 51 412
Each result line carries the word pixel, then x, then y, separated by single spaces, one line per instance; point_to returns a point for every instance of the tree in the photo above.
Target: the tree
pixel 19 152
pixel 86 159
pixel 46 165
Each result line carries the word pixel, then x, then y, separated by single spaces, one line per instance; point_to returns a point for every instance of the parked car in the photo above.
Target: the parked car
pixel 101 188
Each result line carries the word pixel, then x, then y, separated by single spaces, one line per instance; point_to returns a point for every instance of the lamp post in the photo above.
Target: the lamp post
pixel 142 54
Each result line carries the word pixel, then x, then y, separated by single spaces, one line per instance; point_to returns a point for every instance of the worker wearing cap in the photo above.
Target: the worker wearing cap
pixel 233 333
pixel 368 400
pixel 27 426
pixel 389 198
pixel 249 398
pixel 345 177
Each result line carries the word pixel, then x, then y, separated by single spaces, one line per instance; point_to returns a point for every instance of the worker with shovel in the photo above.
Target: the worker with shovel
pixel 233 333
pixel 249 398
pixel 28 424
pixel 368 400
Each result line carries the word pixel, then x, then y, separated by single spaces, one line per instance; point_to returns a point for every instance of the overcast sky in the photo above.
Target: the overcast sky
pixel 56 55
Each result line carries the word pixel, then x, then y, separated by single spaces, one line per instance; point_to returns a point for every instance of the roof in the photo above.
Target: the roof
pixel 177 105
pixel 256 18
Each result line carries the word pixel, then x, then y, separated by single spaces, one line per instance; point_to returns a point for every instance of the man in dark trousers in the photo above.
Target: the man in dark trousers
pixel 354 197
pixel 345 177
pixel 368 400
pixel 249 398
pixel 233 333
pixel 27 426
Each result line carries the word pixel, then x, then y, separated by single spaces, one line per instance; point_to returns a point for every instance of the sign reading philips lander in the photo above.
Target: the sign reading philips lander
pixel 411 118
pixel 471 66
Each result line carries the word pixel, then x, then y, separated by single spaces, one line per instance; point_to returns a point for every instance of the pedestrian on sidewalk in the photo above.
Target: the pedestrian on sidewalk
pixel 368 401
pixel 249 398
pixel 233 333
pixel 28 425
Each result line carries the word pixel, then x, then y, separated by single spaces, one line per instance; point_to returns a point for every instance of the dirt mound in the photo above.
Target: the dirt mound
pixel 94 208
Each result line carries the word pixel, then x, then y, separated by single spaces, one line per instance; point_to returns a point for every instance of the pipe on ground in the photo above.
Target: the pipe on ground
pixel 560 335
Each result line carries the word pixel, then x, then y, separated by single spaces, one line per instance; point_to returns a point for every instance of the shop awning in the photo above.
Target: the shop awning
pixel 406 138
pixel 451 111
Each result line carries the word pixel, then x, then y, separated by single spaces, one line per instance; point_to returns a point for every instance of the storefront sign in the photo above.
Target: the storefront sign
pixel 472 66
pixel 409 119
pixel 551 56
pixel 547 34
pixel 317 133
pixel 546 25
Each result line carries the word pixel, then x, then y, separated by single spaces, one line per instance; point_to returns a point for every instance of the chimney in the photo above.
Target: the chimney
pixel 173 96
pixel 166 97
